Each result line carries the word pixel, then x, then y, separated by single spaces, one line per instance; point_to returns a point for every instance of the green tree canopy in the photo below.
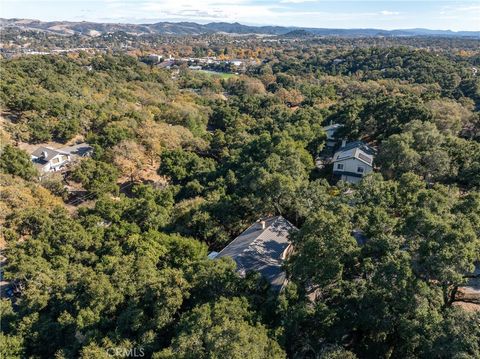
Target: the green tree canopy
pixel 17 162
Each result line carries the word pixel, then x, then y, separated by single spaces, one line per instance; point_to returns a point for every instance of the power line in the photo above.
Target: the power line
pixel 91 195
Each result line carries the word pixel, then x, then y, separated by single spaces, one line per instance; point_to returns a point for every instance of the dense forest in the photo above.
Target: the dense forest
pixel 183 161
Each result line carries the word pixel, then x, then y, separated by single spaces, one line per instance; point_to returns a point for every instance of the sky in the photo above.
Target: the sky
pixel 380 14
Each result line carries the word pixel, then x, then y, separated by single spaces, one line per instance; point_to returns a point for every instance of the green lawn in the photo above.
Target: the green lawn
pixel 223 75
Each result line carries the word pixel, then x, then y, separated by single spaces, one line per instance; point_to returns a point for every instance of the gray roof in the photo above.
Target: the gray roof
pixel 261 249
pixel 358 150
pixel 331 130
pixel 49 152
pixel 333 126
pixel 80 149
pixel 358 144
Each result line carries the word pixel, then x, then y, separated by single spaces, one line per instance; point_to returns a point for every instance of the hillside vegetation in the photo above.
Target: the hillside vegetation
pixel 130 269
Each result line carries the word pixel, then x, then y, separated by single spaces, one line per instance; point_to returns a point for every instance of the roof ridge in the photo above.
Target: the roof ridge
pixel 241 233
pixel 49 148
pixel 262 231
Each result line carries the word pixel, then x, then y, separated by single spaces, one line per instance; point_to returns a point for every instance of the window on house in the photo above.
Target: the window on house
pixel 340 166
pixel 360 169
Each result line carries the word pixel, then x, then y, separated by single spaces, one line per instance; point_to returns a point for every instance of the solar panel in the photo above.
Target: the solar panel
pixel 365 158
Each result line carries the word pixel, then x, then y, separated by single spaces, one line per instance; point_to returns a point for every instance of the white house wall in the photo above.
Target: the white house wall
pixel 350 166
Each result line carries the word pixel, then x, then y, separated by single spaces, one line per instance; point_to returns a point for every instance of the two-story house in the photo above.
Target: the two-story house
pixel 47 159
pixel 352 161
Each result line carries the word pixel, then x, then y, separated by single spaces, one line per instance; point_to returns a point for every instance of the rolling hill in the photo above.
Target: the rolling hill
pixel 191 28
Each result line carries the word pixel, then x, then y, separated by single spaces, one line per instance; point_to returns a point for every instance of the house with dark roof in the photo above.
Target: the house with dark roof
pixel 47 159
pixel 352 161
pixel 331 130
pixel 262 248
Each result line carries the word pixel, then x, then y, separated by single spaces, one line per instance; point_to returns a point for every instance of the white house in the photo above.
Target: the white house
pixel 352 161
pixel 47 159
pixel 237 62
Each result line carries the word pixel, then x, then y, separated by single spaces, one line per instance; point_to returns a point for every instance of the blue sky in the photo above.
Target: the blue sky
pixel 385 14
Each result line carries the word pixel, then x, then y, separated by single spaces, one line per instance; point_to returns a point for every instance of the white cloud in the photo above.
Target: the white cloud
pixel 388 13
pixel 473 8
pixel 205 10
pixel 296 1
pixel 458 15
pixel 470 9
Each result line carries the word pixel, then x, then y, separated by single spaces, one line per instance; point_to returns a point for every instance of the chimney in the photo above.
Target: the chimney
pixel 44 154
pixel 344 143
pixel 262 223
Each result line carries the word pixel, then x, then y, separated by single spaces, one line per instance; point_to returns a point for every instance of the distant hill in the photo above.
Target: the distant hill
pixel 298 33
pixel 191 28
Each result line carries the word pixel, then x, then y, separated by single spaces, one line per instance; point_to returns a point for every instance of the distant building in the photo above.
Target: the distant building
pixel 237 62
pixel 47 159
pixel 352 161
pixel 167 64
pixel 330 130
pixel 155 58
pixel 262 248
